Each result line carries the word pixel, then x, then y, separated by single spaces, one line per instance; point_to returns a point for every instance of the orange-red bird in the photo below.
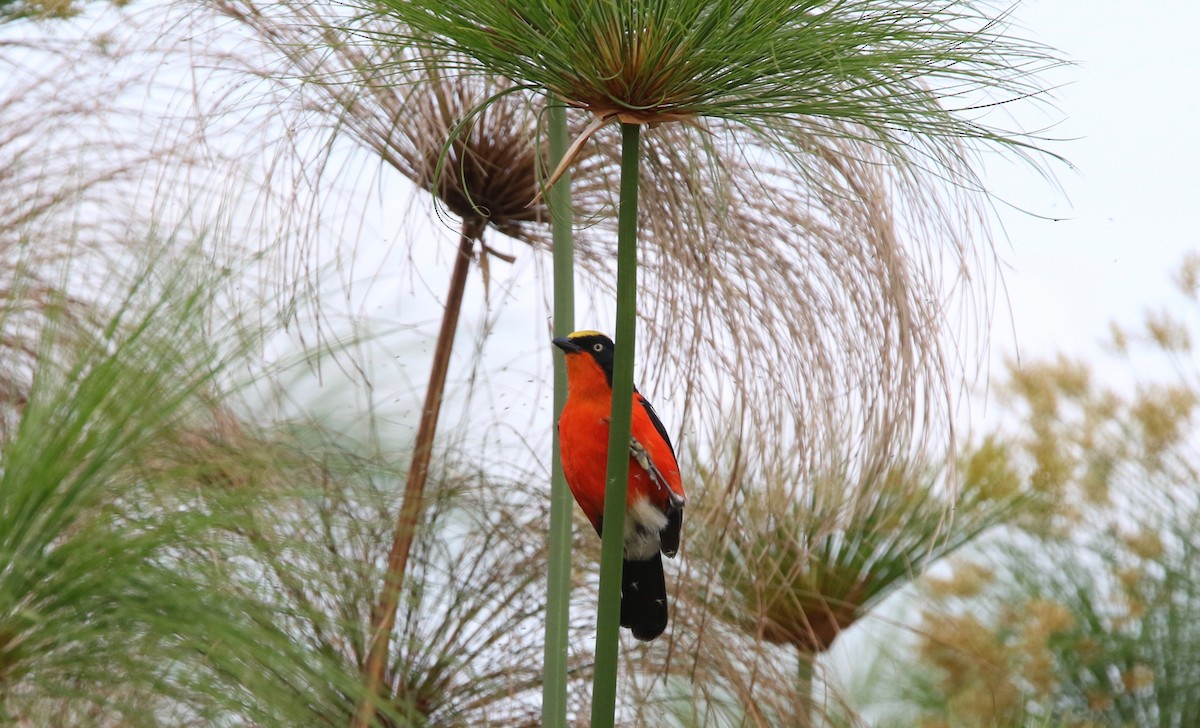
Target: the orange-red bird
pixel 654 502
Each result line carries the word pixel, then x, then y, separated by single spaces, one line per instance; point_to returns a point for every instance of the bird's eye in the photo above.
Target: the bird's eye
pixel 598 347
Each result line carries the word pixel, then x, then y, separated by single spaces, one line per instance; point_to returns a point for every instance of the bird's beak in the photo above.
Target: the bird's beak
pixel 566 345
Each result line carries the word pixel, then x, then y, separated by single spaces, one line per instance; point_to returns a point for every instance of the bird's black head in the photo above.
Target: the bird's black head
pixel 592 343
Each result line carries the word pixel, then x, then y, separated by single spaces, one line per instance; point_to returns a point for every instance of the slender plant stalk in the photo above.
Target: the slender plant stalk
pixel 558 584
pixel 805 664
pixel 384 618
pixel 608 621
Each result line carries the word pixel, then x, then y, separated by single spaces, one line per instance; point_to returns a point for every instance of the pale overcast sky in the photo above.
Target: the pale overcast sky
pixel 1128 209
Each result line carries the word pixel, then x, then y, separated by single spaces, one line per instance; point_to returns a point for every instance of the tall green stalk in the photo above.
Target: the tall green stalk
pixel 558 583
pixel 608 622
pixel 805 668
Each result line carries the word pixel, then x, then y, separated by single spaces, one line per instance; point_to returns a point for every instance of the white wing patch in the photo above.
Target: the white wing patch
pixel 638 452
pixel 641 456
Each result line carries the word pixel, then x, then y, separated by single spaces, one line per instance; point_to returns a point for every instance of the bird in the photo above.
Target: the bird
pixel 655 499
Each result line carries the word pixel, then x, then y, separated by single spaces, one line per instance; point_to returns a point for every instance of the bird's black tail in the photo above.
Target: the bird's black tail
pixel 644 597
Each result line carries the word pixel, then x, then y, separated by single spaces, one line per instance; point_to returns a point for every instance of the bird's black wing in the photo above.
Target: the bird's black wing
pixel 658 425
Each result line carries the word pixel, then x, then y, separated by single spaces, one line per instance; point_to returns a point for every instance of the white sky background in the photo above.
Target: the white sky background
pixel 1127 217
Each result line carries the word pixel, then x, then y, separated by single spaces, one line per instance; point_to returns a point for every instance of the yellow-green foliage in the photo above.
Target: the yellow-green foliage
pixel 1086 615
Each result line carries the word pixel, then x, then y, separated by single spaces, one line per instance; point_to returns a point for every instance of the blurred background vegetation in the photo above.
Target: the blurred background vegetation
pixel 222 277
